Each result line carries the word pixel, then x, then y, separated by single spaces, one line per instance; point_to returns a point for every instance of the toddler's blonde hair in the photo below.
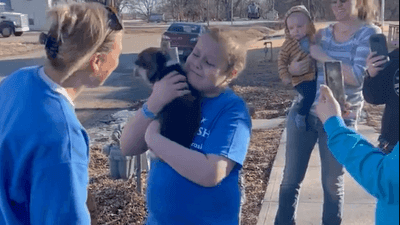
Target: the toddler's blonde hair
pixel 235 53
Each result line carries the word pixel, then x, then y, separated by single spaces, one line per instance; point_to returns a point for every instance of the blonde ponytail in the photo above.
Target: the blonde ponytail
pixel 82 30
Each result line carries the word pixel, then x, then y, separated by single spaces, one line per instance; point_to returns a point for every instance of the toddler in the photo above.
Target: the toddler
pixel 300 31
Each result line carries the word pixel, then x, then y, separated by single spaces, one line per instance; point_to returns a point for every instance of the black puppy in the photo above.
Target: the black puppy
pixel 180 119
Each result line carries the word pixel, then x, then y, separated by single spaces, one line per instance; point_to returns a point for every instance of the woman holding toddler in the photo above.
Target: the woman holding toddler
pixel 347 41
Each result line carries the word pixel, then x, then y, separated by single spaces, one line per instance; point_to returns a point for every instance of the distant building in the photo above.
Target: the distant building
pixel 36 10
pixel 5 5
pixel 157 17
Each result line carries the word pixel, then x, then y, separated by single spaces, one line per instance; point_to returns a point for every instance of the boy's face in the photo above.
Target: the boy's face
pixel 298 25
pixel 206 66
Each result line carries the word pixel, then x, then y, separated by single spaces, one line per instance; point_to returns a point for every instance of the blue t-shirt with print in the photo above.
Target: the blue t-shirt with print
pixel 172 199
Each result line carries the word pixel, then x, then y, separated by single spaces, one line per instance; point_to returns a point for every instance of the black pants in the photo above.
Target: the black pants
pixel 308 90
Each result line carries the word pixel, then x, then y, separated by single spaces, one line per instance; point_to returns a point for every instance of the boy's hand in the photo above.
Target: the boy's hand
pixel 166 90
pixel 152 130
pixel 297 68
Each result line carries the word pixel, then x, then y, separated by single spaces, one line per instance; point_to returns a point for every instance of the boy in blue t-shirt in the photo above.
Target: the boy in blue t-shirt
pixel 200 184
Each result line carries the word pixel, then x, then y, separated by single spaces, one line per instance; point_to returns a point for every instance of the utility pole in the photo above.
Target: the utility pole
pixel 383 13
pixel 110 3
pixel 208 12
pixel 231 12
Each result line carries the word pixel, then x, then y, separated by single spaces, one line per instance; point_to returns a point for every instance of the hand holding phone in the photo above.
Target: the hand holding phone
pixel 335 81
pixel 378 44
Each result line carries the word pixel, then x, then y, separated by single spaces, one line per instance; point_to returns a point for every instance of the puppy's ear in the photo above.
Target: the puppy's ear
pixel 165 46
pixel 161 60
pixel 137 62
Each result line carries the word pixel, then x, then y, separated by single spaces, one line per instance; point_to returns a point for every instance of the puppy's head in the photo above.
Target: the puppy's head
pixel 150 61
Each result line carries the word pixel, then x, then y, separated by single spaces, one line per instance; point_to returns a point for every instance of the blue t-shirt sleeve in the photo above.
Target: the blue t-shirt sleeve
pixel 60 171
pixel 58 195
pixel 376 172
pixel 230 136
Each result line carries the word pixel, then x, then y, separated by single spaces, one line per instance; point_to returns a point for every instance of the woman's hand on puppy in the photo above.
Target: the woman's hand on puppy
pixel 167 89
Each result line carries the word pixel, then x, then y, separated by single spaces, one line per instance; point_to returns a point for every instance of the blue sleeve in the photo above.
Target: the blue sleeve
pixel 376 172
pixel 361 54
pixel 230 136
pixel 60 171
pixel 58 195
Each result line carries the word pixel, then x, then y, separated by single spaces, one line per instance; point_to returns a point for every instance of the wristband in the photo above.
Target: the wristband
pixel 147 113
pixel 367 74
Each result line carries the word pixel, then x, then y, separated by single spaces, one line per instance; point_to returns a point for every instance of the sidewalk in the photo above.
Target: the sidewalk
pixel 359 206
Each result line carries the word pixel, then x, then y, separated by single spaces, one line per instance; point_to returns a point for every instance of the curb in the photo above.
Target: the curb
pixel 265 207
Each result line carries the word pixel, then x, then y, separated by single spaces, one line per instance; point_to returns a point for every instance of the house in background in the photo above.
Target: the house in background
pixel 5 5
pixel 36 10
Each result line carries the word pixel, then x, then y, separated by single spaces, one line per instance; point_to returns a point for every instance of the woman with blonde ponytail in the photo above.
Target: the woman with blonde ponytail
pixel 44 150
pixel 347 41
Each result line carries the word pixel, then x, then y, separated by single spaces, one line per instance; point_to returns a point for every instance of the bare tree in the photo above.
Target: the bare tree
pixel 144 7
pixel 115 3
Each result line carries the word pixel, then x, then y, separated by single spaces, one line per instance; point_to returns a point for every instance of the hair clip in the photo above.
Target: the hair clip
pixel 51 45
pixel 42 38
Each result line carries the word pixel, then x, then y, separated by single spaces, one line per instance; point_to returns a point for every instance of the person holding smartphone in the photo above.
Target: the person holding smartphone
pixel 377 173
pixel 381 86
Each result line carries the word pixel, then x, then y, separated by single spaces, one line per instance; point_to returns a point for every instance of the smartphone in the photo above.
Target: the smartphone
pixel 378 44
pixel 335 81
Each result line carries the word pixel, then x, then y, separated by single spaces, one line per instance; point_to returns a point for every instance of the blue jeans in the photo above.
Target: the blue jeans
pixel 299 146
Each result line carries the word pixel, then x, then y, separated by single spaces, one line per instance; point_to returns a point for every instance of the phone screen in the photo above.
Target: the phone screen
pixel 378 44
pixel 334 80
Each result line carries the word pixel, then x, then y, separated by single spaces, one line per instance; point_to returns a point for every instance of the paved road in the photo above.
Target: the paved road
pixel 119 90
pixel 139 24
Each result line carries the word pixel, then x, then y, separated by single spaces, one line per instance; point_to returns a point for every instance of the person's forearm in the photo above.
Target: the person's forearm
pixel 348 75
pixel 132 138
pixel 318 54
pixel 377 173
pixel 190 164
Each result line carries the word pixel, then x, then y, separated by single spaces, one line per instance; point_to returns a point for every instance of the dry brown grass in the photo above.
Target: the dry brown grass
pixel 13 48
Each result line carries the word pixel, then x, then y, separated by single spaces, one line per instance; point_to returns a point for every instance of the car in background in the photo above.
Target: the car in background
pixel 184 36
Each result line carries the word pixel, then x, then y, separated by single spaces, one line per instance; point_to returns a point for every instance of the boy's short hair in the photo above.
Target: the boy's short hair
pixel 235 52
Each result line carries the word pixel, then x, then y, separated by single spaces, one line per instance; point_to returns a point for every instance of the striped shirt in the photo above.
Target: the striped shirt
pixel 353 52
pixel 290 49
